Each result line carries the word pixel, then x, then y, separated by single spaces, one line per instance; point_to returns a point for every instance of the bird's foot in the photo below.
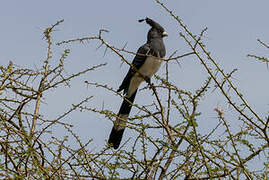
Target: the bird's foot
pixel 148 80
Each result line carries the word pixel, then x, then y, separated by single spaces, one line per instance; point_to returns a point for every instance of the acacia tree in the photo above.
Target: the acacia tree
pixel 178 149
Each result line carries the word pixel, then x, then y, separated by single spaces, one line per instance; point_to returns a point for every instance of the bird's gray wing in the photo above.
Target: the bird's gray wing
pixel 138 61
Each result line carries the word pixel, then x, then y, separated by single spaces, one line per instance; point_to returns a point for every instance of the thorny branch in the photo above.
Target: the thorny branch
pixel 167 141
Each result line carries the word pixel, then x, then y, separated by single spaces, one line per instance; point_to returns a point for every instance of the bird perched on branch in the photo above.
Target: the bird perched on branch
pixel 145 64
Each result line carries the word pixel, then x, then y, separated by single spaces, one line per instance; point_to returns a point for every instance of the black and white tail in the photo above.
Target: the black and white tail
pixel 120 123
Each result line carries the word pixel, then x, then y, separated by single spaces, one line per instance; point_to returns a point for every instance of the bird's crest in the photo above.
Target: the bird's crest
pixel 152 23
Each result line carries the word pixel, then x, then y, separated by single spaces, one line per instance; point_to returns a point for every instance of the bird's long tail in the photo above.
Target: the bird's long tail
pixel 120 123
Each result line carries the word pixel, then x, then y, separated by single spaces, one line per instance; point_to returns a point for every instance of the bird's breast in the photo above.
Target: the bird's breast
pixel 150 66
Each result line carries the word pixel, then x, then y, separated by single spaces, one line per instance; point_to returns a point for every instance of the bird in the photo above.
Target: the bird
pixel 145 64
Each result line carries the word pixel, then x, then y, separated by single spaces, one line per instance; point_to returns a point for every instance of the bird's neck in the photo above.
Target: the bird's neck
pixel 158 40
pixel 157 46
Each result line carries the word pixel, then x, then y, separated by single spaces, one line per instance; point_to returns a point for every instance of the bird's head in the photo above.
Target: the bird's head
pixel 156 31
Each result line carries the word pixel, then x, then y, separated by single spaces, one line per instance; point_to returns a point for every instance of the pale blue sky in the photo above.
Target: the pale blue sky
pixel 233 28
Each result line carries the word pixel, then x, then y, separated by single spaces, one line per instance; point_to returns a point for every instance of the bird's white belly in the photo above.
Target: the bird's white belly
pixel 148 69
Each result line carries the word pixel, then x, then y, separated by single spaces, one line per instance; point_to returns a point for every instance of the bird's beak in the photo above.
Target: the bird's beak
pixel 165 34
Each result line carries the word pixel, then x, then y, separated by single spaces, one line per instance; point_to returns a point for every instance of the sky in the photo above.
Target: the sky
pixel 233 30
